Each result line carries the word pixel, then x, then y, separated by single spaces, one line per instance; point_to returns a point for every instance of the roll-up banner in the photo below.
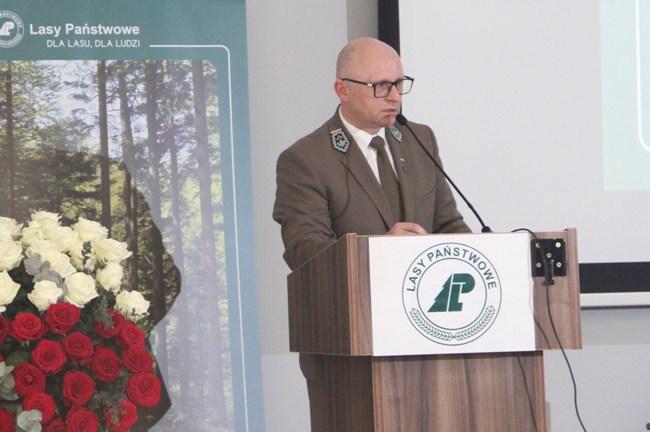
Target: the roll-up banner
pixel 131 117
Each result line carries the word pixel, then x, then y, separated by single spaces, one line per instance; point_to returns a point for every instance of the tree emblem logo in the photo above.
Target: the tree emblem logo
pixel 11 29
pixel 451 294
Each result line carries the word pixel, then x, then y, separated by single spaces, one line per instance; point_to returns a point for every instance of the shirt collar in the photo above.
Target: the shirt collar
pixel 361 137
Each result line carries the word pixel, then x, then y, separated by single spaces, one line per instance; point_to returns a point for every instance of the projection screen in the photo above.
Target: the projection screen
pixel 542 113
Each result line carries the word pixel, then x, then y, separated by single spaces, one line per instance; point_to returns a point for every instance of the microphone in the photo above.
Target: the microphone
pixel 402 120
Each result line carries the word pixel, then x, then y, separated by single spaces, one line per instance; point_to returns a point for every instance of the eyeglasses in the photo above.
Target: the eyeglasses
pixel 383 89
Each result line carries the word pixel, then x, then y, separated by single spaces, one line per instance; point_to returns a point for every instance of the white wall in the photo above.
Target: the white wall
pixel 611 371
pixel 292 47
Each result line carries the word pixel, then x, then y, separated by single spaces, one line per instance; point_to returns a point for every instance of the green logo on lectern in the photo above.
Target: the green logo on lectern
pixel 449 298
pixel 451 294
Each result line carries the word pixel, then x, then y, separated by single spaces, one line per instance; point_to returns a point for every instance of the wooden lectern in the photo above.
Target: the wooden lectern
pixel 353 391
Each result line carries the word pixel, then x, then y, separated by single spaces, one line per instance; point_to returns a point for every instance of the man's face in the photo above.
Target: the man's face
pixel 358 103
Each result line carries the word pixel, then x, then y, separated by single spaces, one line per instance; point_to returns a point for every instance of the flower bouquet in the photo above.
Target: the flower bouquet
pixel 72 352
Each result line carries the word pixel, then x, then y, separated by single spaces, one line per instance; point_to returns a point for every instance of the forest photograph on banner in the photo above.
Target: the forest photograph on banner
pixel 64 116
pixel 121 301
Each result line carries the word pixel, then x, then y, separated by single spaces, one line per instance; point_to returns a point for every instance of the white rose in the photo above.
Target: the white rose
pixel 38 226
pixel 110 277
pixel 59 262
pixel 77 258
pixel 63 237
pixel 31 234
pixel 8 290
pixel 90 230
pixel 45 219
pixel 11 254
pixel 44 294
pixel 110 250
pixel 81 289
pixel 9 229
pixel 131 303
pixel 41 247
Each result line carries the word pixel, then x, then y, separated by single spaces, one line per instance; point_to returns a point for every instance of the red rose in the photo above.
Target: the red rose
pixel 5 327
pixel 42 402
pixel 130 335
pixel 81 419
pixel 78 347
pixel 137 359
pixel 6 421
pixel 108 331
pixel 49 356
pixel 28 379
pixel 78 388
pixel 27 326
pixel 61 317
pixel 105 364
pixel 56 425
pixel 120 419
pixel 144 389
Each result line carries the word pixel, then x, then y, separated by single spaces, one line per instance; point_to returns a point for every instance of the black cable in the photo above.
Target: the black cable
pixel 548 280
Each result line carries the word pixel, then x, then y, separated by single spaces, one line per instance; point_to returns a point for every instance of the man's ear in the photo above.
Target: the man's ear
pixel 341 89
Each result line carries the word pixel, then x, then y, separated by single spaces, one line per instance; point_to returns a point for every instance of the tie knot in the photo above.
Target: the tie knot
pixel 377 143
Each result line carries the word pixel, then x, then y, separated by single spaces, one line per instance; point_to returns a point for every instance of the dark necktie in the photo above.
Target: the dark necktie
pixel 387 178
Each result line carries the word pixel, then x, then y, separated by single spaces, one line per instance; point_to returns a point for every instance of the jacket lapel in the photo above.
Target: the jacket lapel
pixel 397 150
pixel 357 165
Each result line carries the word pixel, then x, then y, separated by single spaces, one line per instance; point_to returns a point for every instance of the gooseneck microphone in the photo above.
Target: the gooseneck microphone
pixel 402 120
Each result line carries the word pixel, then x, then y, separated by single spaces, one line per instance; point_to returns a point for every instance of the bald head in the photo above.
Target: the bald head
pixel 362 63
pixel 363 53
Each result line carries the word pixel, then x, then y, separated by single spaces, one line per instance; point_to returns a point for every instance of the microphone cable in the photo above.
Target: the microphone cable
pixel 548 281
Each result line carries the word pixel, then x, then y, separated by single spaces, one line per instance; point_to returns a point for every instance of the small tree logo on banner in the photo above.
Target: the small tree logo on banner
pixel 11 29
pixel 451 294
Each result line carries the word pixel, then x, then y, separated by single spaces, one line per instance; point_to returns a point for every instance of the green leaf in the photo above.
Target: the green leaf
pixel 17 357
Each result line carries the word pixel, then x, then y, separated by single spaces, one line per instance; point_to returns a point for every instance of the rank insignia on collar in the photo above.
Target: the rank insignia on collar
pixel 395 133
pixel 340 140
